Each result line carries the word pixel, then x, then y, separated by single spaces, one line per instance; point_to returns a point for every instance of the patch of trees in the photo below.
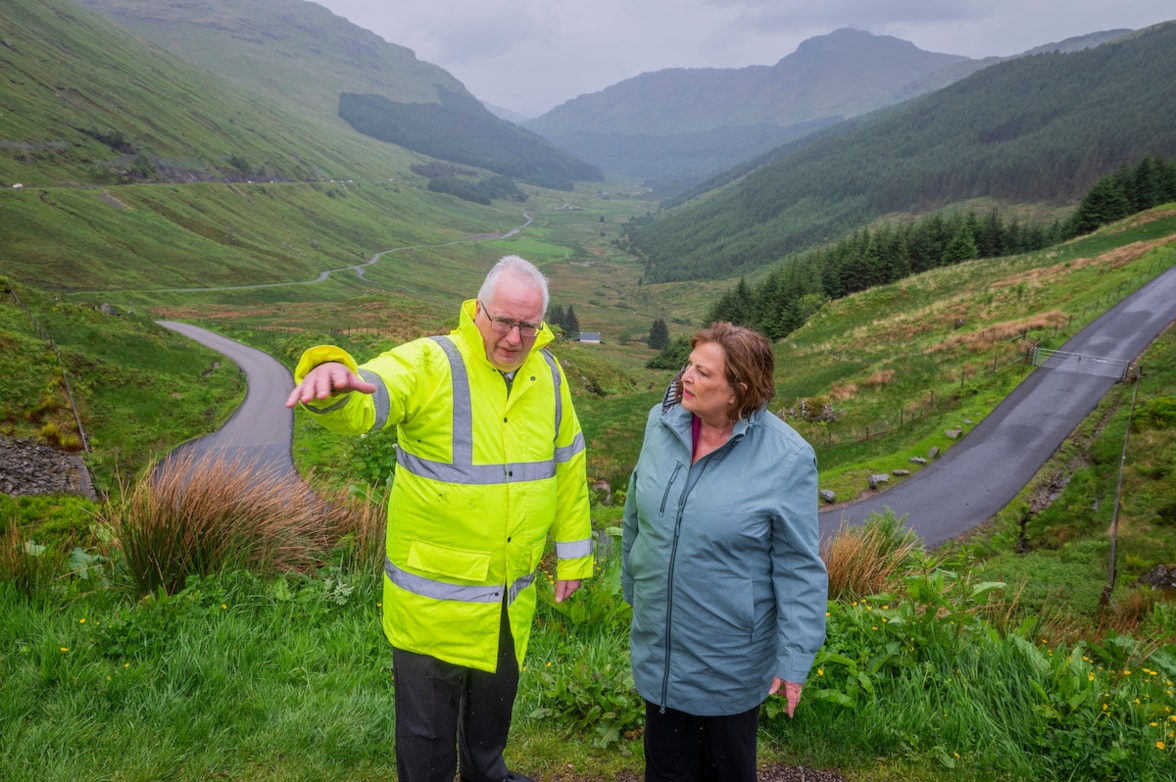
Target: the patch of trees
pixel 565 319
pixel 115 139
pixel 868 257
pixel 1041 128
pixel 461 130
pixel 481 191
pixel 1123 193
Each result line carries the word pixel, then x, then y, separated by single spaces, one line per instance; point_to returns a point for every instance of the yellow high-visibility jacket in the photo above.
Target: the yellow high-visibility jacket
pixel 482 478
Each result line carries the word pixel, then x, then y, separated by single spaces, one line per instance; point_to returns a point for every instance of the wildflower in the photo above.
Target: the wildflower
pixel 82 621
pixel 1090 677
pixel 224 607
pixel 1159 745
pixel 65 648
pixel 820 672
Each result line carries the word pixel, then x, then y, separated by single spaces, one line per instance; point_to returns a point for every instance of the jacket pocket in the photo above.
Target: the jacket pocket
pixel 450 564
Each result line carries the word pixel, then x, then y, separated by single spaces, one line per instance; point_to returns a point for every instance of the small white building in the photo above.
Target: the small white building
pixel 592 337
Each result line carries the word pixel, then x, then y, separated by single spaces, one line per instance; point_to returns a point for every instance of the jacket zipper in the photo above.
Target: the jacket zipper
pixel 670 579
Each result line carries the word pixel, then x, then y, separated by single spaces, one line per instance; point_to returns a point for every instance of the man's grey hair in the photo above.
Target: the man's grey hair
pixel 520 269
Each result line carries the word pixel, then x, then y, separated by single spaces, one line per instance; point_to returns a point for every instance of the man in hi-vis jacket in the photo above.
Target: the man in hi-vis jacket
pixel 490 461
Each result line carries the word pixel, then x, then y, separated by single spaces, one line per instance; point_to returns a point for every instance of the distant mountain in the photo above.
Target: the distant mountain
pixel 682 124
pixel 302 55
pixel 679 121
pixel 1038 129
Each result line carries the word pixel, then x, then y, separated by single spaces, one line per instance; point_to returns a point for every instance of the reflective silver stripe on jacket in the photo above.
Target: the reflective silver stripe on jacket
pixel 462 469
pixel 439 590
pixel 574 549
pixel 380 397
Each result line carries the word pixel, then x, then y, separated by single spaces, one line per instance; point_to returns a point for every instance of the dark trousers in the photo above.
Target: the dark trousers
pixel 443 709
pixel 681 747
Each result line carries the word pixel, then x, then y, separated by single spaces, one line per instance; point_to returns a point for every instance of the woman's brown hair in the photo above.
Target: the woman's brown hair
pixel 751 364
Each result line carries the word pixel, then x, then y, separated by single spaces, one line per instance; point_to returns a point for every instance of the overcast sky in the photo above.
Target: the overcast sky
pixel 529 56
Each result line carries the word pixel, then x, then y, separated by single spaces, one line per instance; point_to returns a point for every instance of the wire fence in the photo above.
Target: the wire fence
pixel 43 333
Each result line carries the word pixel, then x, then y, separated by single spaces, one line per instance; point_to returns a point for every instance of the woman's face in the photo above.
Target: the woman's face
pixel 705 389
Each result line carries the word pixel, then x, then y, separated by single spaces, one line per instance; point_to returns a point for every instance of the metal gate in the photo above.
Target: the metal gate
pixel 1081 362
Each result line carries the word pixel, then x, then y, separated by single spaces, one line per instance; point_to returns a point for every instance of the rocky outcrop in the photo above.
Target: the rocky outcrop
pixel 28 467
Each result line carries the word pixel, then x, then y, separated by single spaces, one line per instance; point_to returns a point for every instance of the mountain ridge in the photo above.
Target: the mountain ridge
pixel 652 125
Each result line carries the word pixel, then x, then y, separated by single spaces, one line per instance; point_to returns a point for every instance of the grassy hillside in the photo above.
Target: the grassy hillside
pixel 1040 129
pixel 304 57
pixel 292 51
pixel 85 102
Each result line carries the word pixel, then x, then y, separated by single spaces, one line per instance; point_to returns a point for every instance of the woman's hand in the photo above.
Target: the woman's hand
pixel 791 693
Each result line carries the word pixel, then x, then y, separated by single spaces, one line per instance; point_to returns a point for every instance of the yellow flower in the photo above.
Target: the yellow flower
pixel 820 672
pixel 82 621
pixel 1090 677
pixel 65 648
pixel 1159 745
pixel 224 607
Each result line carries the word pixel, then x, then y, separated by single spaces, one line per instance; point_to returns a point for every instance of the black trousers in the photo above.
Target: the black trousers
pixel 681 747
pixel 444 709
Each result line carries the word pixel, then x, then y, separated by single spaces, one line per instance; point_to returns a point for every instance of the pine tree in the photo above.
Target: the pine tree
pixel 557 316
pixel 571 323
pixel 659 335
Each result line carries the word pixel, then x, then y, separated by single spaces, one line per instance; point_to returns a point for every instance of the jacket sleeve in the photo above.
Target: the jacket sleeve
pixel 572 527
pixel 394 374
pixel 799 577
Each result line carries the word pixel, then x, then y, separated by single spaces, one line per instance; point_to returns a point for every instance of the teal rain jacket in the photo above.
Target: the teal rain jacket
pixel 720 561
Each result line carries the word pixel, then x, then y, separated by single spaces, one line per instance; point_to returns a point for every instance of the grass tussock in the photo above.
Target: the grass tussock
pixel 862 560
pixel 24 563
pixel 198 515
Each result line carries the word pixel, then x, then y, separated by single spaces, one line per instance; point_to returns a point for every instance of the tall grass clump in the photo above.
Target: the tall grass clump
pixel 28 565
pixel 861 560
pixel 201 514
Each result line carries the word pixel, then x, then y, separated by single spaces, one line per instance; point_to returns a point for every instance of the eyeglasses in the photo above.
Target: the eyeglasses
pixel 505 325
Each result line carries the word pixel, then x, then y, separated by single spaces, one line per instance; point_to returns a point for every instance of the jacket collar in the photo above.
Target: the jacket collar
pixel 468 331
pixel 680 420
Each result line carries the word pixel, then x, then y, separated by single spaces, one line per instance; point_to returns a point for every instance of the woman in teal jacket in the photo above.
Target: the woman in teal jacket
pixel 720 561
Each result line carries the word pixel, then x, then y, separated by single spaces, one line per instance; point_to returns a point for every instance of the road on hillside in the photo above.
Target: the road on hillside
pixel 965 487
pixel 261 431
pixel 982 473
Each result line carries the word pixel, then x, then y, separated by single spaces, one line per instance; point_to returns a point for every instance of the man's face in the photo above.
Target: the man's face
pixel 513 301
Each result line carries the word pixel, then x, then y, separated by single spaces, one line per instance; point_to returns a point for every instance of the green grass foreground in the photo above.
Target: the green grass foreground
pixel 278 671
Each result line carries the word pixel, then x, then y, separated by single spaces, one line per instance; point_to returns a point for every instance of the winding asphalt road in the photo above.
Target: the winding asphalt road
pixel 261 431
pixel 962 489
